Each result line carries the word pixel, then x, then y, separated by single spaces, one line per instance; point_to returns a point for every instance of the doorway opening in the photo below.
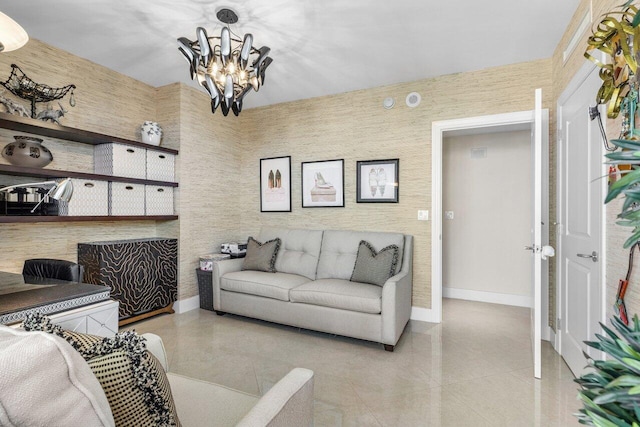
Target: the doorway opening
pixel 509 122
pixel 487 201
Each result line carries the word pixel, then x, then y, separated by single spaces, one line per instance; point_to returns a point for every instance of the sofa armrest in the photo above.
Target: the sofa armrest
pixel 220 268
pixel 288 403
pixel 156 347
pixel 396 298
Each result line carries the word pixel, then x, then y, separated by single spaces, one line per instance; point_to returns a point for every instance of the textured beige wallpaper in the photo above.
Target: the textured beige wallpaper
pixel 354 126
pixel 209 173
pixel 107 102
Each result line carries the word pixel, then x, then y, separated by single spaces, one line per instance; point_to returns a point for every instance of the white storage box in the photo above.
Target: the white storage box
pixel 120 160
pixel 160 166
pixel 126 199
pixel 159 200
pixel 90 198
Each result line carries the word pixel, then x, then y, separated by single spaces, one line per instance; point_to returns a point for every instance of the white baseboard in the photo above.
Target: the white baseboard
pixel 490 297
pixel 187 304
pixel 549 335
pixel 422 314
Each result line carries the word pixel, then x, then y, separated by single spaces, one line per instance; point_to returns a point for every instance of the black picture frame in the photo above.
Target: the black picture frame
pixel 323 184
pixel 378 181
pixel 275 184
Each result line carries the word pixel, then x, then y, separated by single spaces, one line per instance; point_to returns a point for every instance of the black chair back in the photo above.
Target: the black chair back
pixel 53 269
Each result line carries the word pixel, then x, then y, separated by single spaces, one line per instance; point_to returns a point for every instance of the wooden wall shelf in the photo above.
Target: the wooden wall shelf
pixel 52 130
pixel 52 218
pixel 46 129
pixel 55 173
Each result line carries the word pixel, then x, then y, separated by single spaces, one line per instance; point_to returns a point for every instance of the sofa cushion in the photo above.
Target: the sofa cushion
pixel 46 382
pixel 270 285
pixel 299 250
pixel 133 380
pixel 339 293
pixel 374 267
pixel 261 256
pixel 340 249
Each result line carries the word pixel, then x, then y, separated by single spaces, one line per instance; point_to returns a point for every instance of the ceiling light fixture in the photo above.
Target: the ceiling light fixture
pixel 12 35
pixel 226 67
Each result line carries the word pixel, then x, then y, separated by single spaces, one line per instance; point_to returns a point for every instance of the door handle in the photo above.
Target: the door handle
pixel 593 256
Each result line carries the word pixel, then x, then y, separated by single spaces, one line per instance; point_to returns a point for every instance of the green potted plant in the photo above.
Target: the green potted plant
pixel 611 391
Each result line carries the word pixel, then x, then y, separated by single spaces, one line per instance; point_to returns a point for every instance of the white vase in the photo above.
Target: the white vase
pixel 151 133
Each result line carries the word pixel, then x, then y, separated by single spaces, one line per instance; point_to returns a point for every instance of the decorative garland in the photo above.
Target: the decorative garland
pixel 619 38
pixel 129 342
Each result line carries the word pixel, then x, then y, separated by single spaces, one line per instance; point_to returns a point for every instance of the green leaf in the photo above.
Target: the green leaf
pixel 627 349
pixel 611 396
pixel 626 143
pixel 617 187
pixel 623 155
pixel 636 19
pixel 632 363
pixel 601 421
pixel 633 192
pixel 608 331
pixel 632 240
pixel 630 215
pixel 625 381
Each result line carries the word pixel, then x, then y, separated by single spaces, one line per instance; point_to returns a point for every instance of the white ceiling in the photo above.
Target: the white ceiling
pixel 319 47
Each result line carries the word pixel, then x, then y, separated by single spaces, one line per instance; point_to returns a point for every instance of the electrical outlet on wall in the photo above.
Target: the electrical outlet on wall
pixel 423 215
pixel 448 214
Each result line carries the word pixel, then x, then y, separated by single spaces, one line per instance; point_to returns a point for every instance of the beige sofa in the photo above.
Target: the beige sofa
pixel 46 382
pixel 311 288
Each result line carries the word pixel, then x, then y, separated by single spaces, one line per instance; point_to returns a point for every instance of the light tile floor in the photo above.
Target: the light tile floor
pixel 473 369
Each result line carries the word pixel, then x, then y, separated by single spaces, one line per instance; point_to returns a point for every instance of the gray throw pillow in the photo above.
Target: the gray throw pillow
pixel 261 256
pixel 374 268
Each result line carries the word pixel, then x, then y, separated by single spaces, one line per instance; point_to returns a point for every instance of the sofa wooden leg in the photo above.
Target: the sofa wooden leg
pixel 388 347
pixel 220 313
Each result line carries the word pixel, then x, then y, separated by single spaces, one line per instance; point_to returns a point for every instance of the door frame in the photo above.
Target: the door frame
pixel 578 79
pixel 438 129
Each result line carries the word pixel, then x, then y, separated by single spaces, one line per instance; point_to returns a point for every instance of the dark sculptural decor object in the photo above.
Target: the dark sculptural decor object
pixel 22 86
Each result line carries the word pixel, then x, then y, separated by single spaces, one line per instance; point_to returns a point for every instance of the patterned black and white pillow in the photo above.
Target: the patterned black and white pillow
pixel 133 380
pixel 374 267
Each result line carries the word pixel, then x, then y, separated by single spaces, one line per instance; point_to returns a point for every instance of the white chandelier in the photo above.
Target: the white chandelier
pixel 226 67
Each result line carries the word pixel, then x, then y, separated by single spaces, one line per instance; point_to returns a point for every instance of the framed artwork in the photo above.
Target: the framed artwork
pixel 275 184
pixel 323 184
pixel 377 181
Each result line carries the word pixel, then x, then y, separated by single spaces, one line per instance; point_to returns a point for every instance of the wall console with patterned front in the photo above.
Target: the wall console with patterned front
pixel 156 186
pixel 142 274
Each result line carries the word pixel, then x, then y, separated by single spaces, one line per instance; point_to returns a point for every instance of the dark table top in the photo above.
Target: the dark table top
pixel 19 293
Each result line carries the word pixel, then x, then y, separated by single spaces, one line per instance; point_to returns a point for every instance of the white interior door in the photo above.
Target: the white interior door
pixel 536 247
pixel 580 228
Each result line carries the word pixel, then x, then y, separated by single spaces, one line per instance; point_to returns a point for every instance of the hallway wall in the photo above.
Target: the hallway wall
pixel 491 201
